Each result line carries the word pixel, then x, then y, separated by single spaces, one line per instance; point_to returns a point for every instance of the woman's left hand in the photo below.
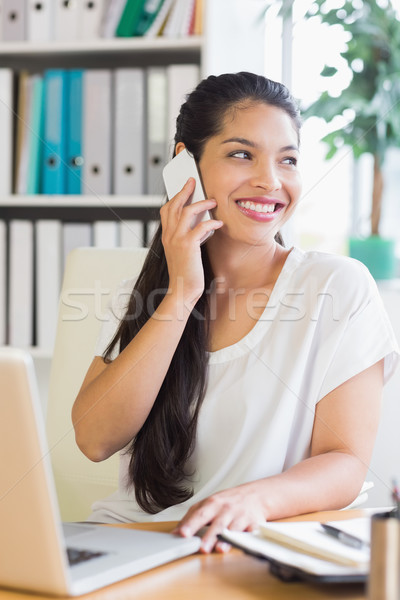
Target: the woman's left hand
pixel 239 509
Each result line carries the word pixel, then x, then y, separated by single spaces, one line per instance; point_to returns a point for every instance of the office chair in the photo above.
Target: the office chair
pixel 90 278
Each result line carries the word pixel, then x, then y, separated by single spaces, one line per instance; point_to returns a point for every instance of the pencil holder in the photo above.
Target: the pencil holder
pixel 384 577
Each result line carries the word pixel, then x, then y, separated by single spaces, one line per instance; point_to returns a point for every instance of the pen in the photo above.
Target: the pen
pixel 345 538
pixel 396 498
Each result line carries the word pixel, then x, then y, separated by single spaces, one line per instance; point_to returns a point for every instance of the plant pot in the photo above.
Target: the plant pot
pixel 377 253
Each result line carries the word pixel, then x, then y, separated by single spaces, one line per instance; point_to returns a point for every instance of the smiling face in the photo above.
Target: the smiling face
pixel 250 169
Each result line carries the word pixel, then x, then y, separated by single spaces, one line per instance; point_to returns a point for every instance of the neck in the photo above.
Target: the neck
pixel 244 265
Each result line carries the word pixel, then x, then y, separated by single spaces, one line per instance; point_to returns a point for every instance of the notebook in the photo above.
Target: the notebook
pixel 37 552
pixel 303 551
pixel 310 538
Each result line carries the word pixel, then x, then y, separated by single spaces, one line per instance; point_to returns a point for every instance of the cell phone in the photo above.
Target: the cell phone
pixel 176 173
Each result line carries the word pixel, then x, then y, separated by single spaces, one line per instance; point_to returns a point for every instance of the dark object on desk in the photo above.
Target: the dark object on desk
pixel 76 556
pixel 344 537
pixel 396 498
pixel 290 573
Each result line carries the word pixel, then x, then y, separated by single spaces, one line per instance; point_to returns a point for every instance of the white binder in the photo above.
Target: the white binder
pixel 13 20
pixel 111 17
pixel 131 234
pixel 96 138
pixel 75 235
pixel 39 20
pixel 182 79
pixel 90 19
pixel 48 281
pixel 156 128
pixel 152 227
pixel 6 126
pixel 188 13
pixel 3 282
pixel 129 131
pixel 105 234
pixel 173 26
pixel 67 19
pixel 21 283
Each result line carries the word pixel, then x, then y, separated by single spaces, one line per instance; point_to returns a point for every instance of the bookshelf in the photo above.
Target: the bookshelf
pixel 232 40
pixel 108 52
pixel 40 206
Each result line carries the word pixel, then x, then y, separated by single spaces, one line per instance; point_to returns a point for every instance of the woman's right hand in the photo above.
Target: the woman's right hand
pixel 182 243
pixel 115 399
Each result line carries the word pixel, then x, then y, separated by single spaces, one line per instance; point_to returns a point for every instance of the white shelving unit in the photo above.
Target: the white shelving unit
pixel 49 201
pixel 101 45
pixel 233 40
pixel 105 53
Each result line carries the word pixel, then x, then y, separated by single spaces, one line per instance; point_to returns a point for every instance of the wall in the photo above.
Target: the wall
pixel 385 463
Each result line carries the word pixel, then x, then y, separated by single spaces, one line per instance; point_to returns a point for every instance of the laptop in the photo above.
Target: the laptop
pixel 37 552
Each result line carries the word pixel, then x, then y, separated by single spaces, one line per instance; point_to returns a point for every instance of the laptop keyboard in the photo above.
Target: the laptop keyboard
pixel 76 556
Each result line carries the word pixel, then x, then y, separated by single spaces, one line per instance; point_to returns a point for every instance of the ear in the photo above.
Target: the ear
pixel 179 147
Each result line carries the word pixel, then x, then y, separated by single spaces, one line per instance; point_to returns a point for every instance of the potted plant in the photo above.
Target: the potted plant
pixel 373 97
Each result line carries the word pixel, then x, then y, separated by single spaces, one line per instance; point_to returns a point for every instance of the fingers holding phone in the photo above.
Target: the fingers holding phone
pixel 186 224
pixel 183 222
pixel 178 175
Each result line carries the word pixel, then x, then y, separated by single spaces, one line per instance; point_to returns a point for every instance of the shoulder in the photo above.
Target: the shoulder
pixel 338 276
pixel 328 264
pixel 342 270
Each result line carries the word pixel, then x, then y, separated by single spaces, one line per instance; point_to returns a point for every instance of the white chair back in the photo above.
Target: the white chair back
pixel 90 279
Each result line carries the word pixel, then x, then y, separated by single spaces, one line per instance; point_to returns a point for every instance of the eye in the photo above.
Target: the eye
pixel 290 160
pixel 241 154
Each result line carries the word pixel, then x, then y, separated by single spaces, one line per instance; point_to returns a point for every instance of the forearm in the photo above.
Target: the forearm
pixel 345 426
pixel 341 446
pixel 323 482
pixel 112 407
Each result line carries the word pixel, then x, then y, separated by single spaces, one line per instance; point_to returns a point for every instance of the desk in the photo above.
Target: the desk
pixel 232 576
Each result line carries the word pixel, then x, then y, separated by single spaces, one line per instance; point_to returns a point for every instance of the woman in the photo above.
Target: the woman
pixel 244 381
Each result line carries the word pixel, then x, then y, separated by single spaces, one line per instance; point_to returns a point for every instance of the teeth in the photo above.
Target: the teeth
pixel 257 207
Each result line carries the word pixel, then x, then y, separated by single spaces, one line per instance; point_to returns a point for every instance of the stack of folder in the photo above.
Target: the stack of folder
pixel 171 18
pixel 36 252
pixel 51 20
pixel 96 131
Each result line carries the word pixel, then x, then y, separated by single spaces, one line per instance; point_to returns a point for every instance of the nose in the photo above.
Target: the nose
pixel 265 176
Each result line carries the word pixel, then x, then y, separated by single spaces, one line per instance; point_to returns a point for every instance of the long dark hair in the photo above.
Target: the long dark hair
pixel 160 451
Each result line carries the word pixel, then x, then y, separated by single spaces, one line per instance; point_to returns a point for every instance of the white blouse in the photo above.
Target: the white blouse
pixel 324 323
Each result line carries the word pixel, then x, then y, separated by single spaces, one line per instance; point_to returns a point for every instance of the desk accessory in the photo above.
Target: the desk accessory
pixel 346 538
pixel 384 577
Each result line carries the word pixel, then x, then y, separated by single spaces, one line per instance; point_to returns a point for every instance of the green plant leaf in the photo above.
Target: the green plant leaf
pixel 328 71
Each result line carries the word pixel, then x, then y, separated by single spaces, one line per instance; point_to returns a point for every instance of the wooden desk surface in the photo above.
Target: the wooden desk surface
pixel 232 576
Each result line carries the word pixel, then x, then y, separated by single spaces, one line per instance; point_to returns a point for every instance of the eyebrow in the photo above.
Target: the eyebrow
pixel 245 142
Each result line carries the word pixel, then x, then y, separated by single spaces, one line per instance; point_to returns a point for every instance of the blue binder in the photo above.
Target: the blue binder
pixel 74 133
pixel 36 135
pixel 55 131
